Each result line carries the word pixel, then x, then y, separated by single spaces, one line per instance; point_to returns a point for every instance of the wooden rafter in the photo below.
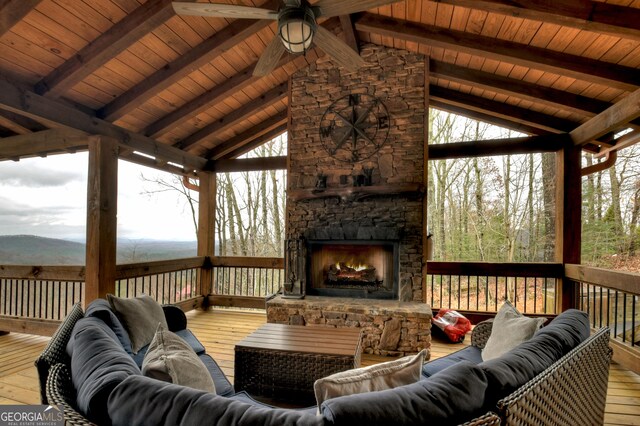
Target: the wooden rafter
pixel 622 142
pixel 19 124
pixel 481 116
pixel 200 55
pixel 499 109
pixel 349 33
pixel 525 145
pixel 38 107
pixel 611 119
pixel 222 91
pixel 518 88
pixel 578 67
pixel 251 138
pixel 245 111
pixel 107 46
pixel 12 11
pixel 607 18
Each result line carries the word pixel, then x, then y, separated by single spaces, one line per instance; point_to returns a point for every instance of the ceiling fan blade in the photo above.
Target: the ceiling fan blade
pixel 269 58
pixel 328 8
pixel 338 49
pixel 222 10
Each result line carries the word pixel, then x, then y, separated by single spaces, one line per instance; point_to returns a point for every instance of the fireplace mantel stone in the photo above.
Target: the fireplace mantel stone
pixel 390 327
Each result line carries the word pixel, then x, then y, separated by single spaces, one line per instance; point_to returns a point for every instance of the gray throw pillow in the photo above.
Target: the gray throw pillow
pixel 172 360
pixel 510 328
pixel 387 375
pixel 140 316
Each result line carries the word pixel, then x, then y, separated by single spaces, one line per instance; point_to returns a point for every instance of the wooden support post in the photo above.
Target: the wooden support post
pixel 568 219
pixel 206 231
pixel 102 207
pixel 425 182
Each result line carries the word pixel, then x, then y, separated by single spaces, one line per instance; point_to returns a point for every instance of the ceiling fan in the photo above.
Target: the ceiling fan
pixel 297 27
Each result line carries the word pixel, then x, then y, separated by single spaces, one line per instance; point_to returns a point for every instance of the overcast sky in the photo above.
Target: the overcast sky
pixel 47 197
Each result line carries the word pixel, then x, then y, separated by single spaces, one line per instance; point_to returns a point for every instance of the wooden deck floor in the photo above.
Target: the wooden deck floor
pixel 219 330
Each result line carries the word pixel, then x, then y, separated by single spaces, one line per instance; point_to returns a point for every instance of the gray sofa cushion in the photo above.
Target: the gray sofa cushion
pixel 515 368
pixel 245 397
pixel 470 353
pixel 186 335
pixel 98 364
pixel 140 400
pixel 442 399
pixel 223 385
pixel 100 308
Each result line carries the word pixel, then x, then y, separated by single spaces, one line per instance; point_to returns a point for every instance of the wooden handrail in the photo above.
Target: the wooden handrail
pixel 627 282
pixel 248 262
pixel 51 273
pixel 133 270
pixel 496 269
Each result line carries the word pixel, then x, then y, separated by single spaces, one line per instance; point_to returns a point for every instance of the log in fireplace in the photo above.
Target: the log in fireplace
pixel 352 268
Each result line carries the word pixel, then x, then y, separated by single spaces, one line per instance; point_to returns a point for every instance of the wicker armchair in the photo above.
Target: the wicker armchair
pixel 572 391
pixel 60 392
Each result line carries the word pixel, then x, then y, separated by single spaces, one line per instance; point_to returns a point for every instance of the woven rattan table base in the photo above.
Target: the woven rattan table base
pixel 277 369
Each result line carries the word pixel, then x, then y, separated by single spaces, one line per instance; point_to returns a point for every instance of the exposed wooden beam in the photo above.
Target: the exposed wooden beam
pixel 38 107
pixel 245 111
pixel 518 88
pixel 496 121
pixel 248 164
pixel 19 124
pixel 622 142
pixel 587 15
pixel 349 33
pixel 578 67
pixel 43 143
pixel 241 150
pixel 12 12
pixel 207 188
pixel 133 157
pixel 499 109
pixel 508 146
pixel 266 130
pixel 112 42
pixel 611 119
pixel 171 73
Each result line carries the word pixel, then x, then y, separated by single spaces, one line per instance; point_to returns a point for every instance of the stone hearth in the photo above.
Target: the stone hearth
pixel 389 328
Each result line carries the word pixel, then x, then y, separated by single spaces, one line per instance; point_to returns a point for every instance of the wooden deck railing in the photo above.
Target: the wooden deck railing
pixel 247 276
pixel 482 286
pixel 167 281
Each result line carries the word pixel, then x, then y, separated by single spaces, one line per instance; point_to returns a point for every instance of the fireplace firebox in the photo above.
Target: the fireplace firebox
pixel 352 268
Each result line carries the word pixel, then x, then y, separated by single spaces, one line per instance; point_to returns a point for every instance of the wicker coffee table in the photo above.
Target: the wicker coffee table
pixel 282 362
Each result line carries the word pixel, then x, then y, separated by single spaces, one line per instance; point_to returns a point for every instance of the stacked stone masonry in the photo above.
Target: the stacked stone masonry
pixel 388 328
pixel 397 78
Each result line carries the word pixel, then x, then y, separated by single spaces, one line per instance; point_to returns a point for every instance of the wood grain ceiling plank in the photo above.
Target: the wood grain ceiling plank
pixel 547 60
pixel 39 37
pixel 25 47
pixel 12 12
pixel 585 15
pixel 56 30
pixel 105 47
pixel 236 116
pixel 184 65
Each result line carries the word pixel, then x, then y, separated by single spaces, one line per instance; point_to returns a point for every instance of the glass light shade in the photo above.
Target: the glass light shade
pixel 296 36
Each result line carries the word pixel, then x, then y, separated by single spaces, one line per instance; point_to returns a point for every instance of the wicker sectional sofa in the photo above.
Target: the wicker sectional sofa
pixel 567 386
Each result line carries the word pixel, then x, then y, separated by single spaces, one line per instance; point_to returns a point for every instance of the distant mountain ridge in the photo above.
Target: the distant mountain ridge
pixel 34 250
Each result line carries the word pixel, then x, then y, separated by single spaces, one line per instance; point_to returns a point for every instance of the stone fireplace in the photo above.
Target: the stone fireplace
pixel 355 199
pixel 367 208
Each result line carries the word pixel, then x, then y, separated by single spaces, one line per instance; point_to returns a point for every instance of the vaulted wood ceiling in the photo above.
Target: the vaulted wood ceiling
pixel 542 68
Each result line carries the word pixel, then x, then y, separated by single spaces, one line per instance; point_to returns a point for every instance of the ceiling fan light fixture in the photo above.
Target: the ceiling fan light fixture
pixel 296 27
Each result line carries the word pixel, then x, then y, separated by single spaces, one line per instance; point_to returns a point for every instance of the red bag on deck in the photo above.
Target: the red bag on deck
pixel 453 324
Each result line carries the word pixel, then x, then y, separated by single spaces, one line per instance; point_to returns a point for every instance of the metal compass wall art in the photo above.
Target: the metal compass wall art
pixel 354 127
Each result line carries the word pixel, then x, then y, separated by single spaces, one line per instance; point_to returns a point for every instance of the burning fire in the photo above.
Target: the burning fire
pixel 357 268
